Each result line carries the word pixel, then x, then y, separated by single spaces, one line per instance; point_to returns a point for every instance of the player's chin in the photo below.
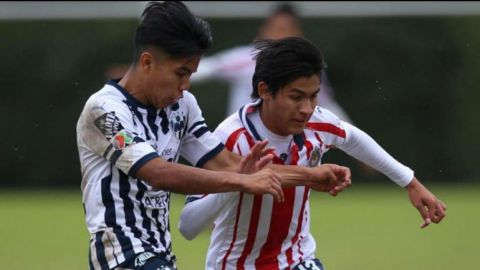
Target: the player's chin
pixel 296 127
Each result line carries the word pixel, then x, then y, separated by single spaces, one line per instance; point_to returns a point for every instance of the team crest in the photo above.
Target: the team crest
pixel 314 160
pixel 177 123
pixel 121 140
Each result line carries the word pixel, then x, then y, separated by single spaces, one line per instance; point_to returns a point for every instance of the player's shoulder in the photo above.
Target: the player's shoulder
pixel 323 115
pixel 229 126
pixel 106 99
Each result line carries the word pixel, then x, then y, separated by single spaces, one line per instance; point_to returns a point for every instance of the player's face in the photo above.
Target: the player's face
pixel 168 78
pixel 290 109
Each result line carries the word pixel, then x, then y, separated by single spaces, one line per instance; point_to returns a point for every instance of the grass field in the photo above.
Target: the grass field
pixel 366 227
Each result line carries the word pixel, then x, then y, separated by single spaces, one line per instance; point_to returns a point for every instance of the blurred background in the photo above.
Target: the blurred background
pixel 407 73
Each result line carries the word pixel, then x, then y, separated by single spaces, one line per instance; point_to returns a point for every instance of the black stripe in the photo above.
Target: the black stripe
pixel 139 116
pixel 161 231
pixel 105 154
pixel 141 162
pixel 199 132
pixel 115 156
pixel 195 125
pixel 146 220
pixel 128 205
pixel 90 262
pixel 100 251
pixel 110 216
pixel 210 155
pixel 107 200
pixel 151 117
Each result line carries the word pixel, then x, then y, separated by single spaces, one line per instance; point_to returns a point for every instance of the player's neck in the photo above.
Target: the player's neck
pixel 132 83
pixel 269 120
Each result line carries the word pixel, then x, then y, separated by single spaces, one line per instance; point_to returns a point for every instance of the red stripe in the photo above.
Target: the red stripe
pixel 232 139
pixel 299 228
pixel 279 226
pixel 234 232
pixel 252 231
pixel 327 127
pixel 309 146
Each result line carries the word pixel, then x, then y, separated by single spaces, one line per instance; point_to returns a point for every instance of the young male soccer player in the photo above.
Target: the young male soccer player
pixel 254 231
pixel 131 133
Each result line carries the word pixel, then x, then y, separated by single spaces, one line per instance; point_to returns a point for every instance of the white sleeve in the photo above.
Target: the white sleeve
pixel 201 211
pixel 361 146
pixel 199 144
pixel 106 129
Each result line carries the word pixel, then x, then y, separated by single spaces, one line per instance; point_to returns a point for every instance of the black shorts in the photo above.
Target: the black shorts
pixel 148 261
pixel 312 264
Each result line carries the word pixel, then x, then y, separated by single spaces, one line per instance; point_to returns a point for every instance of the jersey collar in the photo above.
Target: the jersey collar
pixel 252 107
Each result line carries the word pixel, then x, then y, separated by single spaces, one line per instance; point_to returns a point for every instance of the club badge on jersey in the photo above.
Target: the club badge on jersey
pixel 314 160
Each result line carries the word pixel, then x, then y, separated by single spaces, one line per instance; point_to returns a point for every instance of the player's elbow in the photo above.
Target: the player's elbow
pixel 187 232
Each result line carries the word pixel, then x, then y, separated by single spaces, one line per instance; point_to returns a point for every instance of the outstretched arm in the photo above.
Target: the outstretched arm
pixel 179 178
pixel 364 148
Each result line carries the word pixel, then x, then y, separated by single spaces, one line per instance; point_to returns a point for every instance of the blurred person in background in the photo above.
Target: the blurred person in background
pixel 131 133
pixel 236 65
pixel 253 231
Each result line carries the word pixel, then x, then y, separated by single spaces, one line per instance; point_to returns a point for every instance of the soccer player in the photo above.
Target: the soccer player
pixel 131 133
pixel 254 231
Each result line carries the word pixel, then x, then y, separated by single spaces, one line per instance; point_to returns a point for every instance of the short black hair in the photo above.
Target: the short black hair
pixel 172 28
pixel 280 62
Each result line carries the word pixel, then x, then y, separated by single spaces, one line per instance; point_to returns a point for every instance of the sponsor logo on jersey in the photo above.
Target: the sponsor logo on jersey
pixel 108 124
pixel 314 157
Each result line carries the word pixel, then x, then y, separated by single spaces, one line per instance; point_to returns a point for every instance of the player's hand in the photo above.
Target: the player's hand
pixel 264 181
pixel 331 178
pixel 430 208
pixel 258 157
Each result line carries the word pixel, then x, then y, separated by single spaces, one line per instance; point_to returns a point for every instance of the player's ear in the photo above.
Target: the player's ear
pixel 263 92
pixel 146 61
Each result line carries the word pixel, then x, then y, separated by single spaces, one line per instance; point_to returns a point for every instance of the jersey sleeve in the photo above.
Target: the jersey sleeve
pixel 201 210
pixel 362 147
pixel 199 144
pixel 332 128
pixel 106 129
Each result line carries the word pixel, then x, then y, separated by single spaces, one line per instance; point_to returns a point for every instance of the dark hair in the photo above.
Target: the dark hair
pixel 282 61
pixel 172 28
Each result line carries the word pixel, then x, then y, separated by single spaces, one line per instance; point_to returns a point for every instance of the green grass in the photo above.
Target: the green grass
pixel 366 227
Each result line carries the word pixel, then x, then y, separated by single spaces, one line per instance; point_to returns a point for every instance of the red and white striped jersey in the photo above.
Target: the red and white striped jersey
pixel 256 232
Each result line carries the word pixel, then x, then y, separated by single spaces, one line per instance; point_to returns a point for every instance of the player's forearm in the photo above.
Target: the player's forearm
pixel 293 175
pixel 364 148
pixel 183 179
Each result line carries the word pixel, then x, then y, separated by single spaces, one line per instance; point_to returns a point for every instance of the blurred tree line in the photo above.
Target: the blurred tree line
pixel 407 81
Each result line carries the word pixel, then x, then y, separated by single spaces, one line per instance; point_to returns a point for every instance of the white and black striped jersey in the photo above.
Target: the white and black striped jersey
pixel 116 135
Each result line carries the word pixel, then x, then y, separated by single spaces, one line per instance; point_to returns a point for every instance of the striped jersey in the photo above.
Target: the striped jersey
pixel 116 135
pixel 255 231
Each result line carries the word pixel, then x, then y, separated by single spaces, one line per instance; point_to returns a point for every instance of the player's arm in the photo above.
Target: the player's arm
pixel 361 146
pixel 179 178
pixel 200 211
pixel 328 177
